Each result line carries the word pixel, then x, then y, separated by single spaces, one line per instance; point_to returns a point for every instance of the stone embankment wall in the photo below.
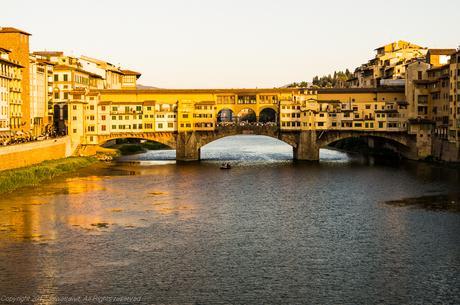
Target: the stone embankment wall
pixel 446 151
pixel 26 154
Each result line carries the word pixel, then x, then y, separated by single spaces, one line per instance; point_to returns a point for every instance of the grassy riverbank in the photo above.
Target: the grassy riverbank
pixel 33 175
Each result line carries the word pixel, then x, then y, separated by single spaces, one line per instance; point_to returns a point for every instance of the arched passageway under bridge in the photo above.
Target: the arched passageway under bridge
pixel 268 115
pixel 225 116
pixel 247 115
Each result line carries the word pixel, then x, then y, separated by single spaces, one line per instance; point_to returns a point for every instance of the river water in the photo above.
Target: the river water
pixel 346 230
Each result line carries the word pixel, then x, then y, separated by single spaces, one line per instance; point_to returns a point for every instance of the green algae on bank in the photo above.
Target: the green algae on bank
pixel 33 175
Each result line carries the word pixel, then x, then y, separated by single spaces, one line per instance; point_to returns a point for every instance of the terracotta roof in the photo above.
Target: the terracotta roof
pixel 397 89
pixel 130 72
pixel 46 62
pixel 48 53
pixel 446 66
pixel 329 101
pixel 66 67
pixel 12 30
pixel 194 91
pixel 441 51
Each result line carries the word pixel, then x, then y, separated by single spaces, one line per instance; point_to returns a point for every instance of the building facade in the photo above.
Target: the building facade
pixel 17 42
pixel 104 113
pixel 10 94
pixel 388 66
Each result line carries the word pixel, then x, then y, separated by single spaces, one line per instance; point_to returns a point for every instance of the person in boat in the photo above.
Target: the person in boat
pixel 225 165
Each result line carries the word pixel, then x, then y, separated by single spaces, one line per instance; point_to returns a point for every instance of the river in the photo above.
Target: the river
pixel 345 230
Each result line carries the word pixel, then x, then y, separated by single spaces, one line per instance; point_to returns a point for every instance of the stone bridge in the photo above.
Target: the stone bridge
pixel 305 143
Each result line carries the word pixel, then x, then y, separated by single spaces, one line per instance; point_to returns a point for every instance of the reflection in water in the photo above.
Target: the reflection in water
pixel 449 202
pixel 269 230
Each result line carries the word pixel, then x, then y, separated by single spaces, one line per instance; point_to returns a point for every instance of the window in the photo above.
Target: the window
pixel 74 107
pixel 74 131
pixel 185 116
pixel 56 77
pixel 56 95
pixel 114 126
pixel 66 77
pixel 160 125
pixel 170 125
pixel 103 128
pixel 66 95
pixel 103 117
pixel 103 108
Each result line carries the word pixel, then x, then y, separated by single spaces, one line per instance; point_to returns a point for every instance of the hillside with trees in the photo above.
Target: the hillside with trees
pixel 336 80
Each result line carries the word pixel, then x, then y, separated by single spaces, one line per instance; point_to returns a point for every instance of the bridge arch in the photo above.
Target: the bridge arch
pixel 243 145
pixel 225 115
pixel 166 138
pixel 268 114
pixel 401 142
pixel 247 115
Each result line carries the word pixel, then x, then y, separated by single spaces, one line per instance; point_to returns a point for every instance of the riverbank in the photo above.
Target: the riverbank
pixel 33 175
pixel 32 153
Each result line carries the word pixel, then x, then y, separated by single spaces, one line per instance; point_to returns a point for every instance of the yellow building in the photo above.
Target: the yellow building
pixel 41 95
pixel 129 79
pixel 10 94
pixel 454 98
pixel 388 67
pixel 129 113
pixel 73 73
pixel 17 41
pixel 439 57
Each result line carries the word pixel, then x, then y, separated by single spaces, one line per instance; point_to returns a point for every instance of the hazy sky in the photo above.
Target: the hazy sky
pixel 225 44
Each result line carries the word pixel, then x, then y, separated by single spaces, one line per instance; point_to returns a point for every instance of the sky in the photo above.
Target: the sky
pixel 232 44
